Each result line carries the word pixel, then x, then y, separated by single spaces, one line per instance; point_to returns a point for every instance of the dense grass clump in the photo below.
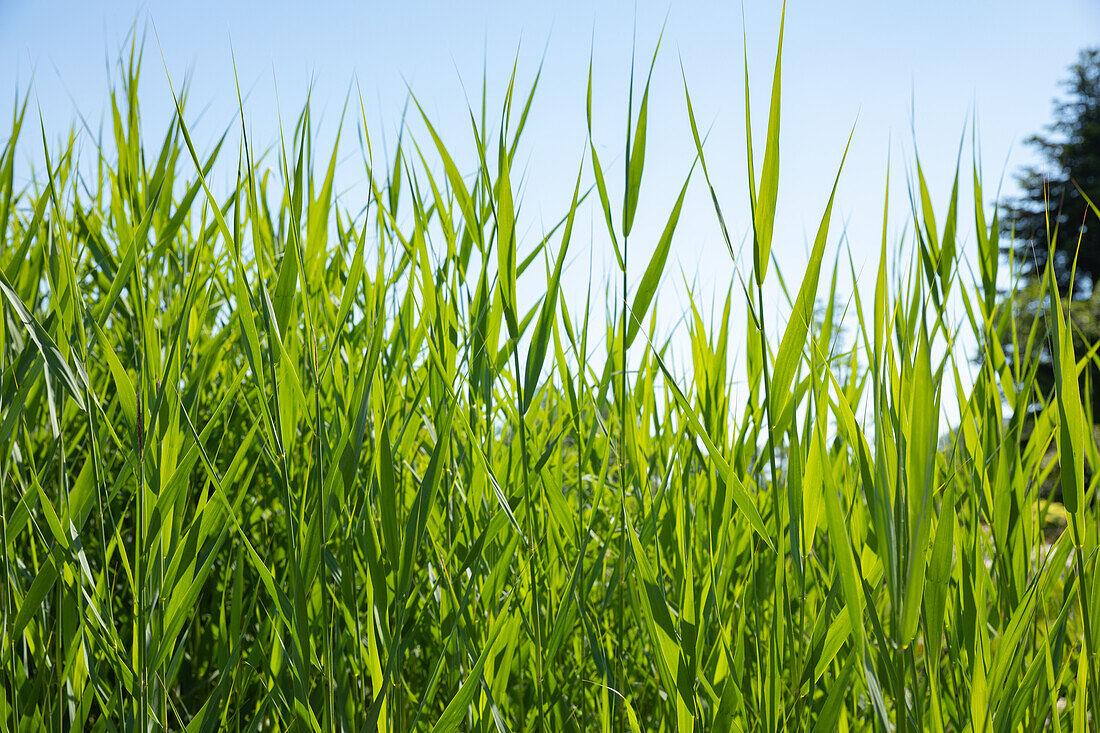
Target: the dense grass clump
pixel 276 460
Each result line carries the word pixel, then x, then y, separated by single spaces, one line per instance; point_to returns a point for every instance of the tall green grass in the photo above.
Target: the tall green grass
pixel 278 460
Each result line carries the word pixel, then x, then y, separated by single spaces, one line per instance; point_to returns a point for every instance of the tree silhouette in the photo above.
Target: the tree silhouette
pixel 1052 207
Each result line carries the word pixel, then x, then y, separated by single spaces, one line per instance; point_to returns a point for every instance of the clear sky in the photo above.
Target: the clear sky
pixel 915 75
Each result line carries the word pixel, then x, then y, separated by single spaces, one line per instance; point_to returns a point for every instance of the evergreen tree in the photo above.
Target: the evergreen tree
pixel 1052 207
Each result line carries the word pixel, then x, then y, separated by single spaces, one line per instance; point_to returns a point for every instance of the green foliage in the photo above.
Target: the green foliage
pixel 1049 220
pixel 1051 230
pixel 272 464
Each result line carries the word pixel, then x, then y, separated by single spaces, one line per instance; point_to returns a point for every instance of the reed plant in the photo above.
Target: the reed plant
pixel 273 458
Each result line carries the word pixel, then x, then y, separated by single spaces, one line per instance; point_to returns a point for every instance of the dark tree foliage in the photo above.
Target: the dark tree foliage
pixel 1052 206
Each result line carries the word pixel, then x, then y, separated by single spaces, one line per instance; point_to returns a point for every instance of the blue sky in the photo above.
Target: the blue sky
pixel 914 75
